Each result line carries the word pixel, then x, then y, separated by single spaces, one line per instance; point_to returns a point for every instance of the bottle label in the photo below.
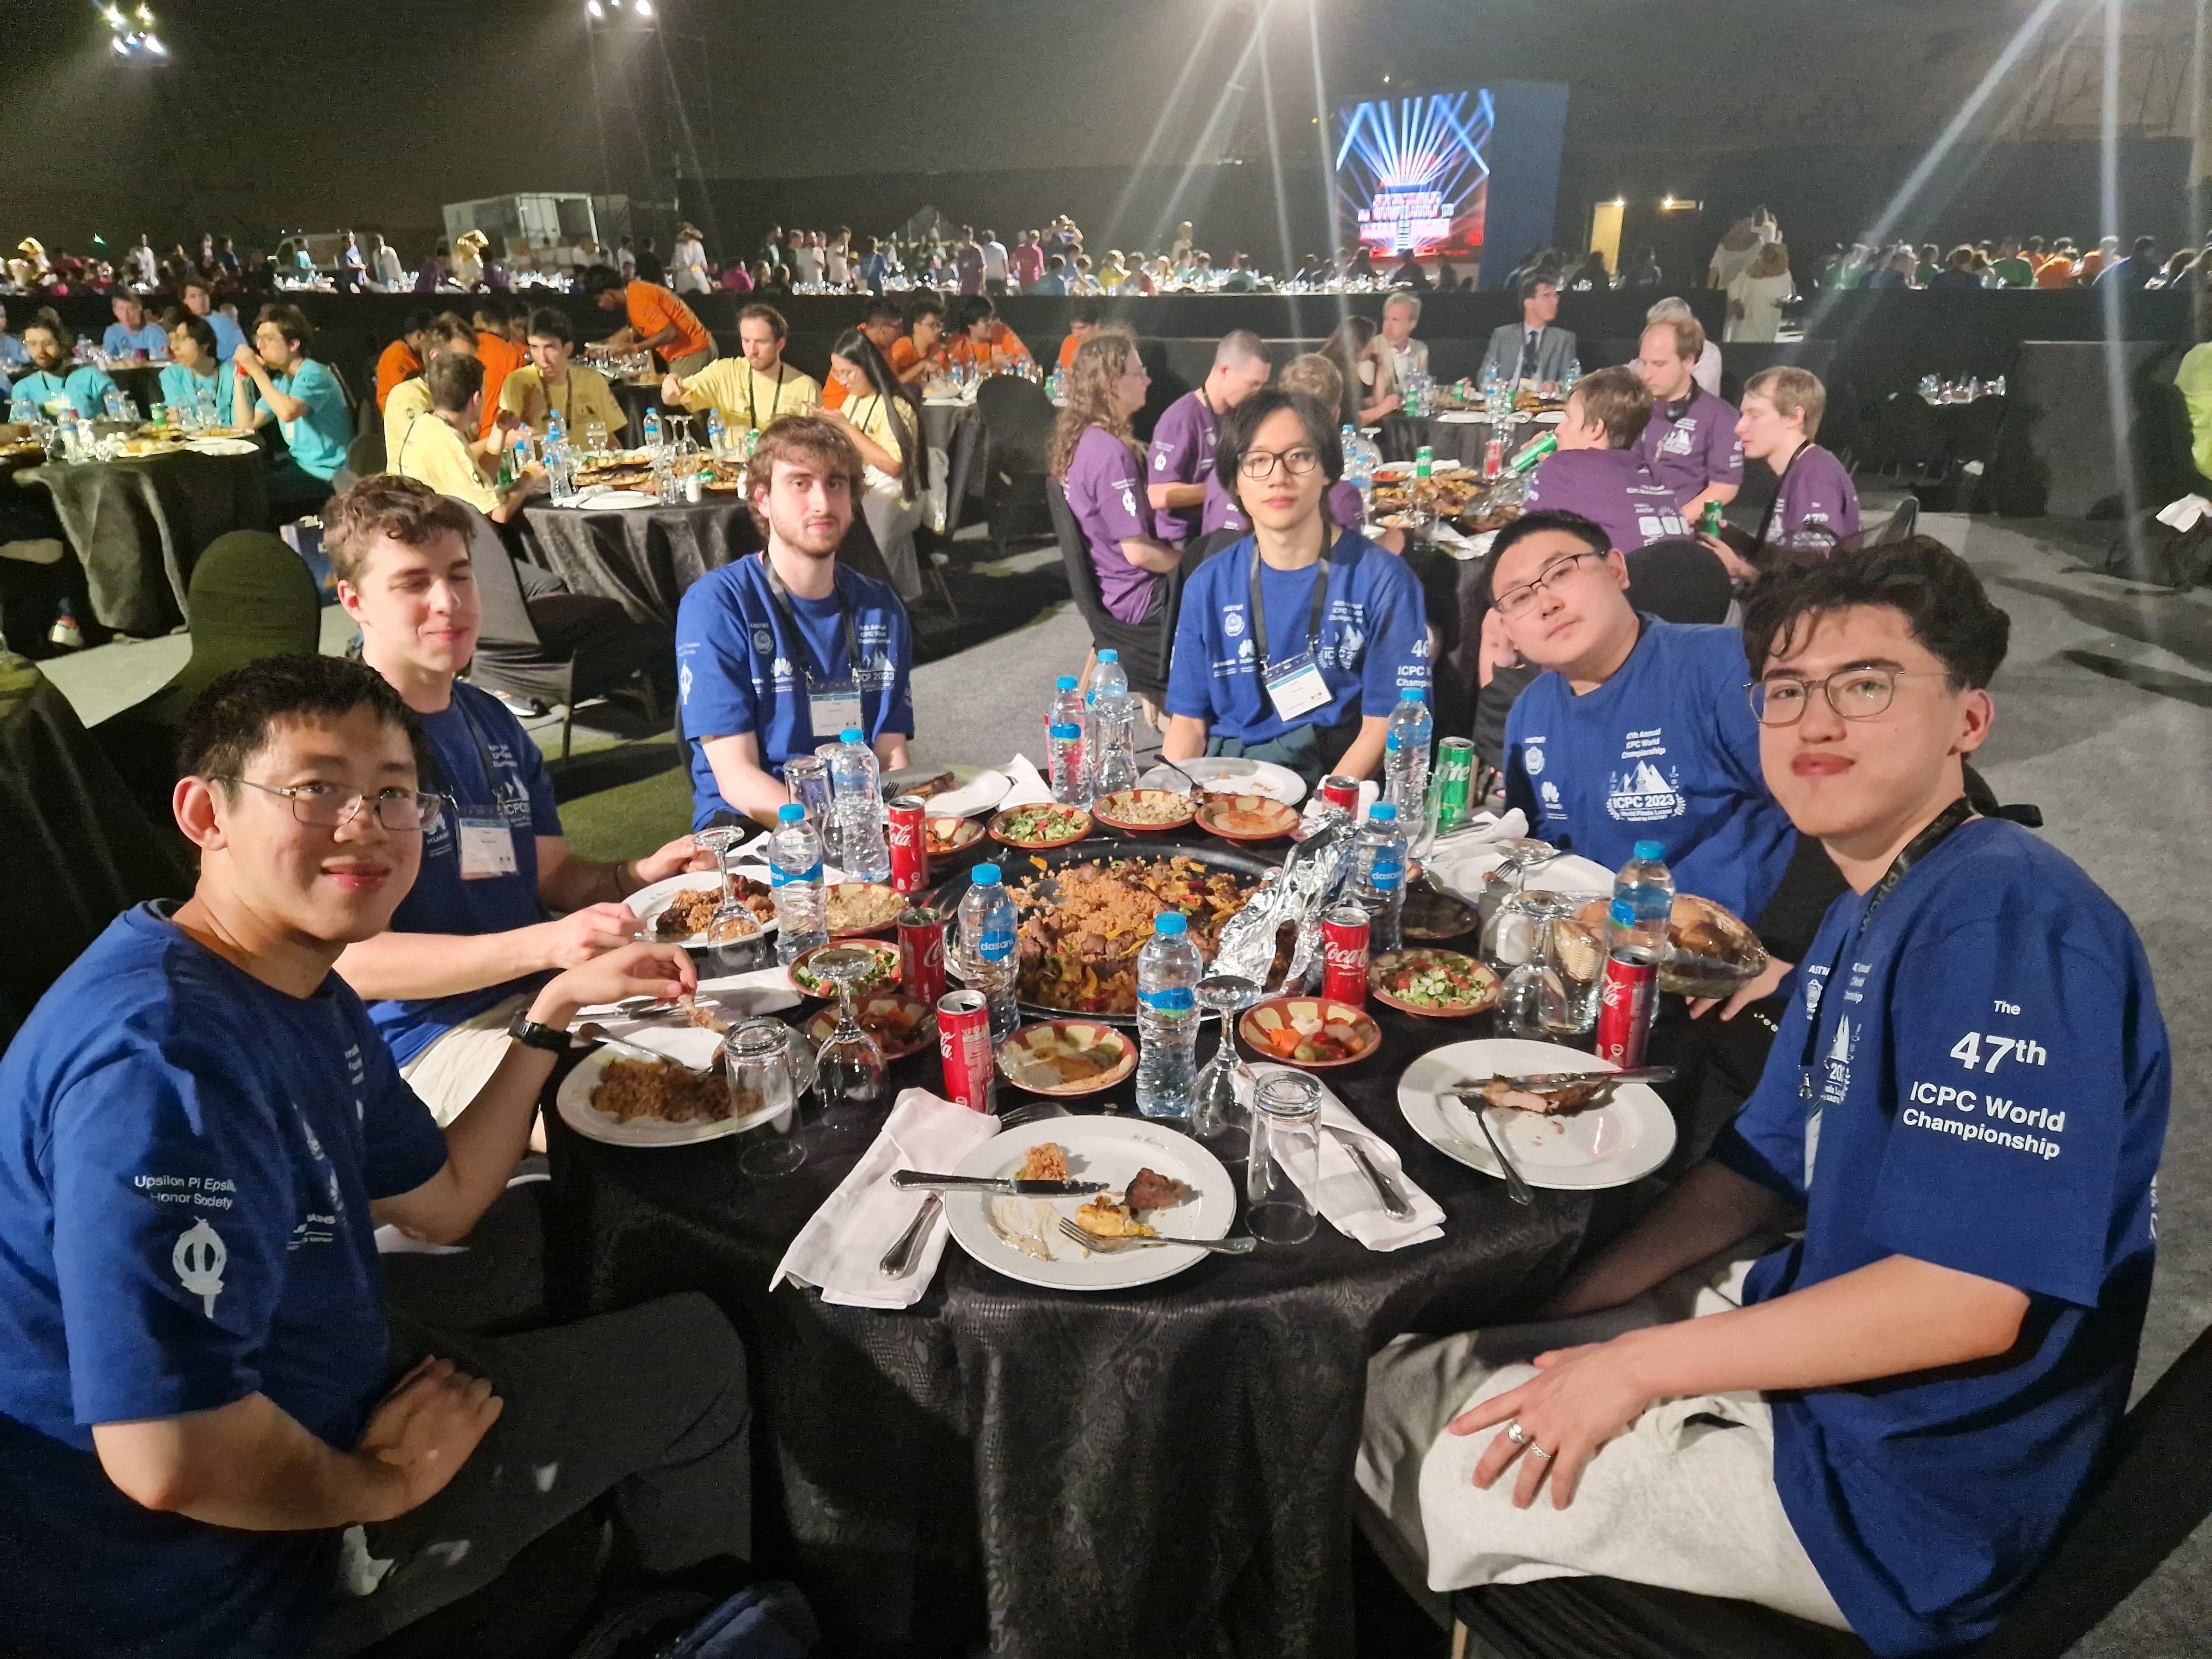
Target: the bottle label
pixel 1168 999
pixel 780 876
pixel 996 943
pixel 1385 875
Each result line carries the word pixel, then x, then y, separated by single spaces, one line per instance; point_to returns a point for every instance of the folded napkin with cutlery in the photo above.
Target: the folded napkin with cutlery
pixel 1345 1194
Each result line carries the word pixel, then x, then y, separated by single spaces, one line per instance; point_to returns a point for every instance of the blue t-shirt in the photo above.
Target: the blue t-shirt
pixel 87 387
pixel 1667 749
pixel 516 791
pixel 1991 1081
pixel 228 337
pixel 740 667
pixel 14 354
pixel 182 387
pixel 149 337
pixel 319 439
pixel 187 1157
pixel 1374 638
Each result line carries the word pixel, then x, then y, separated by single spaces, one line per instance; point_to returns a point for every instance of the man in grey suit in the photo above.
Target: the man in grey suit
pixel 1532 350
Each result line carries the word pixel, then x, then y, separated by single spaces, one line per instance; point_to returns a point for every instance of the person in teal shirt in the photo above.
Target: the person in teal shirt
pixel 307 404
pixel 196 366
pixel 52 378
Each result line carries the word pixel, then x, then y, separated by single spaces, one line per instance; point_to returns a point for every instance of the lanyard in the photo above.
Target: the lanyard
pixel 1767 523
pixel 1915 850
pixel 483 755
pixel 752 418
pixel 781 595
pixel 1313 617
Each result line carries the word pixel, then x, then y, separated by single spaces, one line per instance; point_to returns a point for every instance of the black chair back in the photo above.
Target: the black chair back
pixel 365 455
pixel 1895 528
pixel 1145 648
pixel 1678 580
pixel 1075 554
pixel 505 622
pixel 1017 423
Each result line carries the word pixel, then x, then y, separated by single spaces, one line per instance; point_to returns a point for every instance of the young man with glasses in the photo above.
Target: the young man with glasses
pixel 1292 645
pixel 500 903
pixel 201 1395
pixel 1885 1422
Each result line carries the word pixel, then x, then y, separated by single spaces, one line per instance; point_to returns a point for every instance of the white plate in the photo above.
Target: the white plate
pixel 1550 417
pixel 647 902
pixel 1108 1148
pixel 223 446
pixel 612 501
pixel 573 1102
pixel 1233 773
pixel 1619 1142
pixel 1463 873
pixel 980 793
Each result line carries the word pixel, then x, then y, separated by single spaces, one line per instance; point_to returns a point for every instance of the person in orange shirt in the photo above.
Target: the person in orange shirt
pixel 881 325
pixel 980 339
pixel 498 353
pixel 1081 323
pixel 658 320
pixel 403 356
pixel 2056 271
pixel 915 354
pixel 2096 259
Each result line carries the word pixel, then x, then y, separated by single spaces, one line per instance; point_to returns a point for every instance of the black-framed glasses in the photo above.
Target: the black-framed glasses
pixel 1259 463
pixel 402 811
pixel 1514 601
pixel 1856 694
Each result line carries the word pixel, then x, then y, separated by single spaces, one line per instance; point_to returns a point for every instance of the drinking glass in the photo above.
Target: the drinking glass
pixel 1218 1116
pixel 1572 969
pixel 769 1069
pixel 807 777
pixel 595 438
pixel 1514 942
pixel 1285 1161
pixel 849 1068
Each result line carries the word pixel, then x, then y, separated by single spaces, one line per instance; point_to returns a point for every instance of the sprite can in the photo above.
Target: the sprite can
pixel 1452 791
pixel 1530 453
pixel 1710 521
pixel 1425 462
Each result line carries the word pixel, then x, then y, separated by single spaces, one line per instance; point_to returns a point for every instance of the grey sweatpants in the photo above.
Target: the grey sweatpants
pixel 649 1404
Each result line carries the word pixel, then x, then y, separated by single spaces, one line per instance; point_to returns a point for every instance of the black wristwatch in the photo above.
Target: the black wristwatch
pixel 530 1035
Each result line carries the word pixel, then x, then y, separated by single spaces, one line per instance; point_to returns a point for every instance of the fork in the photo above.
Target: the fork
pixel 1090 1240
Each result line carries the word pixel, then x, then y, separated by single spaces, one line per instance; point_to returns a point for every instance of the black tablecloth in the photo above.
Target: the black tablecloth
pixel 940 421
pixel 75 847
pixel 1162 1473
pixel 137 526
pixel 141 382
pixel 635 398
pixel 1464 441
pixel 643 557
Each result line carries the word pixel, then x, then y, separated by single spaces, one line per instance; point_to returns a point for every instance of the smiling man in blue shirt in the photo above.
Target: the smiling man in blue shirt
pixel 133 334
pixel 1886 1423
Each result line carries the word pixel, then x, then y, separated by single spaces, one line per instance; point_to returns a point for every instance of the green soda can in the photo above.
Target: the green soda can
pixel 1452 791
pixel 1425 462
pixel 1531 452
pixel 1709 521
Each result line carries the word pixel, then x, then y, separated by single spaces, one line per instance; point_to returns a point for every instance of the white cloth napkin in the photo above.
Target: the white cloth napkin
pixel 2184 514
pixel 740 996
pixel 1029 787
pixel 1344 1193
pixel 842 1248
pixel 1460 417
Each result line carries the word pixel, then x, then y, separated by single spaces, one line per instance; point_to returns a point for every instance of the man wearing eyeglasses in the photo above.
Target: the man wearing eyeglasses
pixel 199 1135
pixel 500 901
pixel 1884 1423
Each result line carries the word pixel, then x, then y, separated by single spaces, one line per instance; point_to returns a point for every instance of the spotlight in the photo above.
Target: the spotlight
pixel 145 15
pixel 645 8
pixel 594 10
pixel 114 17
pixel 116 41
pixel 153 45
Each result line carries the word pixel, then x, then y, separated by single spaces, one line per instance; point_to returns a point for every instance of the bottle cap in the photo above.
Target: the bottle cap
pixel 1383 812
pixel 984 875
pixel 1109 656
pixel 1410 693
pixel 1067 682
pixel 1652 850
pixel 850 734
pixel 790 812
pixel 1170 923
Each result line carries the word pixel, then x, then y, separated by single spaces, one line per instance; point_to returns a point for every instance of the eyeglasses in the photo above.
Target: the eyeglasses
pixel 1259 463
pixel 403 811
pixel 1856 694
pixel 1515 601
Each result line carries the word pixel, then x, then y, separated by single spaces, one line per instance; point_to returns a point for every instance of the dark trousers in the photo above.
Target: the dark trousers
pixel 1716 1062
pixel 294 492
pixel 649 1405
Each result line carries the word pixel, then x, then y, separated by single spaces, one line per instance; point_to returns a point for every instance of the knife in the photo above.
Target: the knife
pixel 909 1180
pixel 1546 1082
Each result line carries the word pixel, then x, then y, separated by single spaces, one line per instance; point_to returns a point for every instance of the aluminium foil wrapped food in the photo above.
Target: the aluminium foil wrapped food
pixel 1295 895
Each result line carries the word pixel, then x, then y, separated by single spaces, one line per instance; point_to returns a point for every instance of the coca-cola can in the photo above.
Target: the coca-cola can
pixel 1344 955
pixel 1493 460
pixel 1341 792
pixel 921 954
pixel 1625 1004
pixel 910 839
pixel 963 1043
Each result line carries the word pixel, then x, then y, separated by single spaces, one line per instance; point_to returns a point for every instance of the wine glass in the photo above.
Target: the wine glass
pixel 1217 1115
pixel 849 1067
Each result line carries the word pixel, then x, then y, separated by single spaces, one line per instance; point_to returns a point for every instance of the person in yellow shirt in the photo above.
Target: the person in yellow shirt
pixel 753 391
pixel 554 383
pixel 446 336
pixel 434 448
pixel 883 325
pixel 883 421
pixel 2194 381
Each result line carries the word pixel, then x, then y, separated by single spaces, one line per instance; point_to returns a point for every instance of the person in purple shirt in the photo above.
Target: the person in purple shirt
pixel 1815 504
pixel 1099 466
pixel 1597 470
pixel 1183 442
pixel 1320 378
pixel 1690 444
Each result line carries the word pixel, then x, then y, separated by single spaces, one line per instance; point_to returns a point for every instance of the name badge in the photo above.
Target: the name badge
pixel 1295 687
pixel 487 849
pixel 834 708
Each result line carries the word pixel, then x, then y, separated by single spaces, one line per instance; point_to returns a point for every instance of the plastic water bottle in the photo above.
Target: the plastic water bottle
pixel 210 416
pixel 22 411
pixel 715 433
pixel 70 432
pixel 1406 758
pixel 1067 729
pixel 118 407
pixel 988 921
pixel 653 429
pixel 1109 677
pixel 560 465
pixel 1636 943
pixel 1378 876
pixel 1113 727
pixel 794 858
pixel 1168 972
pixel 856 797
pixel 1574 375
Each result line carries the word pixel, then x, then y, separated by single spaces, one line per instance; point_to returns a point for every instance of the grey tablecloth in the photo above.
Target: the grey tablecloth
pixel 1464 441
pixel 643 557
pixel 137 526
pixel 1163 1474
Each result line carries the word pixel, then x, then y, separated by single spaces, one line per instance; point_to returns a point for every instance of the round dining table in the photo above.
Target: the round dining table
pixel 1160 1471
pixel 643 556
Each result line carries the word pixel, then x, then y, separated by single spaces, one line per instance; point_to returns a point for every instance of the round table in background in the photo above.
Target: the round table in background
pixel 1464 441
pixel 635 397
pixel 643 557
pixel 1176 1458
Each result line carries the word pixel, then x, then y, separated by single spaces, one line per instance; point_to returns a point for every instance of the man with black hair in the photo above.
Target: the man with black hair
pixel 553 382
pixel 654 320
pixel 1083 319
pixel 208 1439
pixel 282 383
pixel 915 353
pixel 403 356
pixel 1886 1423
pixel 1532 349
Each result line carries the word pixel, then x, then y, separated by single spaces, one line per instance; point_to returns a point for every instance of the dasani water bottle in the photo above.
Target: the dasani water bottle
pixel 794 858
pixel 988 960
pixel 1168 972
pixel 1378 876
pixel 856 797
